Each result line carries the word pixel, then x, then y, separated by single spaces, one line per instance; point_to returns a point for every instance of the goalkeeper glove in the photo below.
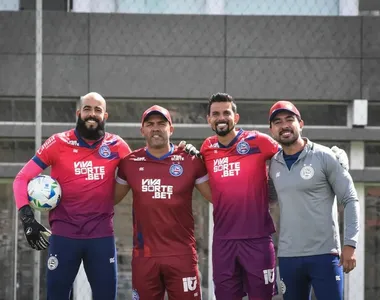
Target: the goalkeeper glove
pixel 36 234
pixel 190 149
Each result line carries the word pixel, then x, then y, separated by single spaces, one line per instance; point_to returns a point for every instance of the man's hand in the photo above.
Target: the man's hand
pixel 342 157
pixel 348 259
pixel 36 234
pixel 190 149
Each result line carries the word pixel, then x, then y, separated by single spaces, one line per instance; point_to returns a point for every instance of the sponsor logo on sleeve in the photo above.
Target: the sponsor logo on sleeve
pixel 48 143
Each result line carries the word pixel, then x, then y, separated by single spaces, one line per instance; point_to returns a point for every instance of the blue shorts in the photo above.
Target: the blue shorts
pixel 322 272
pixel 99 261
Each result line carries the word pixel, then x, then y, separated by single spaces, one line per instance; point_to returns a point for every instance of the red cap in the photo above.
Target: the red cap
pixel 283 106
pixel 158 110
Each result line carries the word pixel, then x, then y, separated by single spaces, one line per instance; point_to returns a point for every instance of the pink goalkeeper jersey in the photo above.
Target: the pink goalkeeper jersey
pixel 238 180
pixel 86 174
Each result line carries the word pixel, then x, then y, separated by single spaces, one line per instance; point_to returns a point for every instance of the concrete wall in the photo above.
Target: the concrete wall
pixel 190 57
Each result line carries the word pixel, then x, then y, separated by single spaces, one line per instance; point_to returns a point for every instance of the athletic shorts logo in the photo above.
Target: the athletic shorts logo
pixel 52 263
pixel 189 284
pixel 269 276
pixel 176 170
pixel 243 147
pixel 307 172
pixel 135 295
pixel 105 151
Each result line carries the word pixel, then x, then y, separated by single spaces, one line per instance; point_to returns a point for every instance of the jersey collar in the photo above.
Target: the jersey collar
pixel 279 156
pixel 83 143
pixel 171 150
pixel 233 141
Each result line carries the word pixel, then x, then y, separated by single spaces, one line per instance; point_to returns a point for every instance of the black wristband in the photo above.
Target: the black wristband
pixel 26 214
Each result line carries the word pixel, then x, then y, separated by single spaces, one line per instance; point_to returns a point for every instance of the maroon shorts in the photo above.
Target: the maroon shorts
pixel 243 267
pixel 177 275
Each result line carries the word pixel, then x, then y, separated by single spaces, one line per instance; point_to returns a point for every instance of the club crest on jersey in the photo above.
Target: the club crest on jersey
pixel 307 172
pixel 243 147
pixel 104 151
pixel 176 170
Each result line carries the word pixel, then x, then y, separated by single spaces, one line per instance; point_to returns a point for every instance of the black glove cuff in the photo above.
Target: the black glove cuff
pixel 26 214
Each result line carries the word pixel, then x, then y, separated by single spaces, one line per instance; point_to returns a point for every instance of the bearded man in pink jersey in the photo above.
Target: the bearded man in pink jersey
pixel 83 160
pixel 243 250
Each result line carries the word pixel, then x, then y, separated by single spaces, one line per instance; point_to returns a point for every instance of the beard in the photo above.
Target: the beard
pixel 288 141
pixel 225 131
pixel 90 133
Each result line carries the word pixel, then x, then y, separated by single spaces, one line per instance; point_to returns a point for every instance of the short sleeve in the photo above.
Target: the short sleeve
pixel 204 146
pixel 124 148
pixel 268 146
pixel 201 171
pixel 121 176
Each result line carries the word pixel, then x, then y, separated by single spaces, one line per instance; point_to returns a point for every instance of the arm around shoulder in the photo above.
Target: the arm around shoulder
pixel 121 190
pixel 121 186
pixel 202 183
pixel 205 190
pixel 272 194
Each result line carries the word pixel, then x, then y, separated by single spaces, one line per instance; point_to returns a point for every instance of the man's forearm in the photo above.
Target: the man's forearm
pixel 351 221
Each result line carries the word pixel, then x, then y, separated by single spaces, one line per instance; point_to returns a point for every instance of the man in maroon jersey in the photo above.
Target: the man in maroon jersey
pixel 162 178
